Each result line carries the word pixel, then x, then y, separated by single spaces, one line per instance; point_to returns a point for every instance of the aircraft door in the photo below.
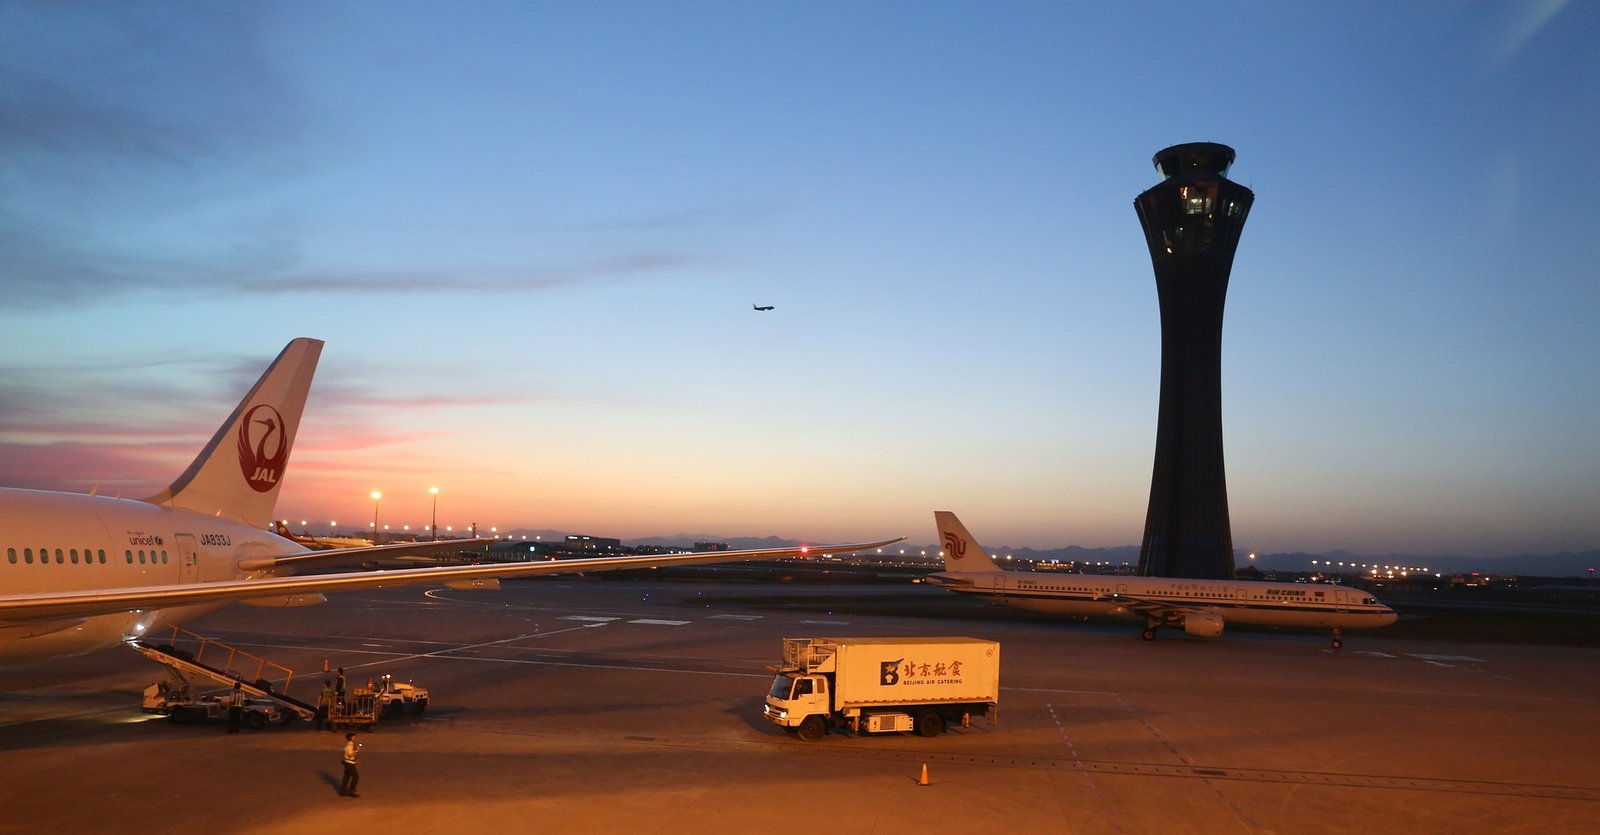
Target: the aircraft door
pixel 1343 598
pixel 188 558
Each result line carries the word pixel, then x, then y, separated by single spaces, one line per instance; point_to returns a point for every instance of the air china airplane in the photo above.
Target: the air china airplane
pixel 1200 607
pixel 86 572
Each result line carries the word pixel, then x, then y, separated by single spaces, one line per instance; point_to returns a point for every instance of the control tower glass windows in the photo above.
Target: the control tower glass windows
pixel 1196 200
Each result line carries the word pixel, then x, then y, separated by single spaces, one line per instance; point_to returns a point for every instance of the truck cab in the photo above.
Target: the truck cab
pixel 796 697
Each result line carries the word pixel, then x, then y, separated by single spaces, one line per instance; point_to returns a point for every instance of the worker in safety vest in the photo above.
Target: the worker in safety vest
pixel 235 708
pixel 352 775
pixel 324 702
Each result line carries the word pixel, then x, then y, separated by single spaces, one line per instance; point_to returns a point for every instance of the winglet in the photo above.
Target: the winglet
pixel 961 551
pixel 238 474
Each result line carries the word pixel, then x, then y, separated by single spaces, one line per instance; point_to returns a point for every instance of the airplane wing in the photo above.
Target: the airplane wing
pixel 1162 610
pixel 364 553
pixel 47 606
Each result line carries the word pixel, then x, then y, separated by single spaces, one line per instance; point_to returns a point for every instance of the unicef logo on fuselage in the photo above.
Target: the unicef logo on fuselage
pixel 263 449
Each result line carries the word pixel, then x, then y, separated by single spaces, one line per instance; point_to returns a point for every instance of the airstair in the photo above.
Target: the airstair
pixel 187 654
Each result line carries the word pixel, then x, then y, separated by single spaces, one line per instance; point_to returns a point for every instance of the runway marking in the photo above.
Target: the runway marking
pixel 655 622
pixel 1249 823
pixel 734 617
pixel 590 618
pixel 1442 660
pixel 1077 763
pixel 827 622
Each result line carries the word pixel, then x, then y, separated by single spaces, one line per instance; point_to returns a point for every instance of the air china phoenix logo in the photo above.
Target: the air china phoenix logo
pixel 955 546
pixel 263 450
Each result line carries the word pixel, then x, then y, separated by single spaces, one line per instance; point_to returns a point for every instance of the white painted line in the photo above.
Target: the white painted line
pixel 734 617
pixel 653 622
pixel 589 618
pixel 827 622
pixel 1433 659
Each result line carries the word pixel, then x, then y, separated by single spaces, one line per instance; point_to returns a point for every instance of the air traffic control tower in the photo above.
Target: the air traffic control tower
pixel 1192 220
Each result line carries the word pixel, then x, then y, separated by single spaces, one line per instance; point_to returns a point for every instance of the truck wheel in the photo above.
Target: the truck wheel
pixel 811 729
pixel 422 704
pixel 929 724
pixel 256 721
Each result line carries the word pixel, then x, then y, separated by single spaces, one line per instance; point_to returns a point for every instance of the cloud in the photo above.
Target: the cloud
pixel 1515 37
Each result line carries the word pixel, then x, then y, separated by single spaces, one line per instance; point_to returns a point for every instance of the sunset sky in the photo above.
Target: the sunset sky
pixel 531 235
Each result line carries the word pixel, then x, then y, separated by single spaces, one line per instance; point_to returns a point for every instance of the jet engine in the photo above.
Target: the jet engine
pixel 1203 624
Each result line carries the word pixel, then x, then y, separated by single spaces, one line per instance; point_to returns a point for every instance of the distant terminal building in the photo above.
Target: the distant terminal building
pixel 1192 220
pixel 712 546
pixel 585 544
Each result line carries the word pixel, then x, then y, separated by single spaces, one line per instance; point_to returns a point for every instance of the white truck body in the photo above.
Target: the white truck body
pixel 883 684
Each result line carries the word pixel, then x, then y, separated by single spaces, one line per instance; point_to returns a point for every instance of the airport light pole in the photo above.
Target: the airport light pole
pixel 434 529
pixel 375 497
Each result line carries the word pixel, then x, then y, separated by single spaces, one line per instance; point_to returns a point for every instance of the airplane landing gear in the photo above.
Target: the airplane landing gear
pixel 1338 640
pixel 1149 633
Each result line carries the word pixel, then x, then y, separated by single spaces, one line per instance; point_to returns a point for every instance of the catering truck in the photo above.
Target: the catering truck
pixel 878 685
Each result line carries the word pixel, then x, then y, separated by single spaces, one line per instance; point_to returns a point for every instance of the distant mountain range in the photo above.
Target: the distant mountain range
pixel 1536 565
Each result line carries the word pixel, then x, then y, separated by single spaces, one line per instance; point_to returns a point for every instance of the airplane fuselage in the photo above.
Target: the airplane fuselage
pixel 1309 605
pixel 57 542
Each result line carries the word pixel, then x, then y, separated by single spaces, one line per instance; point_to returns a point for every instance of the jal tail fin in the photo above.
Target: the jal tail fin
pixel 961 551
pixel 238 474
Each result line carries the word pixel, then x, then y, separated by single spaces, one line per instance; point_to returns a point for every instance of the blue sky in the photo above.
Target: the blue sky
pixel 531 234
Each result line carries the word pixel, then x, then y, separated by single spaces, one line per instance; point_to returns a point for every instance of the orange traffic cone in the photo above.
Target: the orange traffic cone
pixel 924 780
pixel 324 665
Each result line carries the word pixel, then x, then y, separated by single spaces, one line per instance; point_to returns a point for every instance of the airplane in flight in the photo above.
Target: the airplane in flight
pixel 1199 607
pixel 83 572
pixel 761 307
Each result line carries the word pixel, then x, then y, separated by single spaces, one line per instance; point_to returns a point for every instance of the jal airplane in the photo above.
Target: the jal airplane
pixel 86 572
pixel 1200 607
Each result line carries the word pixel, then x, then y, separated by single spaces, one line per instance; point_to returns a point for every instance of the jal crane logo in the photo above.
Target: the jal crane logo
pixel 263 449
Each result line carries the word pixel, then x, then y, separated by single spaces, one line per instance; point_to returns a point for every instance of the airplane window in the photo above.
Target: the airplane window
pixel 129 554
pixel 27 556
pixel 74 556
pixel 102 556
pixel 11 555
pixel 141 556
pixel 60 559
pixel 163 557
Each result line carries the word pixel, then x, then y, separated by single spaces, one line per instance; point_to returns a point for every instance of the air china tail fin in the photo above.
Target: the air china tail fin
pixel 961 551
pixel 238 473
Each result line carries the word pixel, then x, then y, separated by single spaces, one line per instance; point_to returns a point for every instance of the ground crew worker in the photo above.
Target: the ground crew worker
pixel 235 708
pixel 338 687
pixel 352 750
pixel 324 701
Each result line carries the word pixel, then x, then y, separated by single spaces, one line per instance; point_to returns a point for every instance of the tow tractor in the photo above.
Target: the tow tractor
pixel 399 697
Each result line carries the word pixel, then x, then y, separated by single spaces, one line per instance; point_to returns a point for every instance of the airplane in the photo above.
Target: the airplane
pixel 1200 607
pixel 318 543
pixel 83 572
pixel 761 307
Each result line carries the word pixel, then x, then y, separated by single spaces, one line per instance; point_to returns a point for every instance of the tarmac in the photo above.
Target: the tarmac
pixel 595 705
